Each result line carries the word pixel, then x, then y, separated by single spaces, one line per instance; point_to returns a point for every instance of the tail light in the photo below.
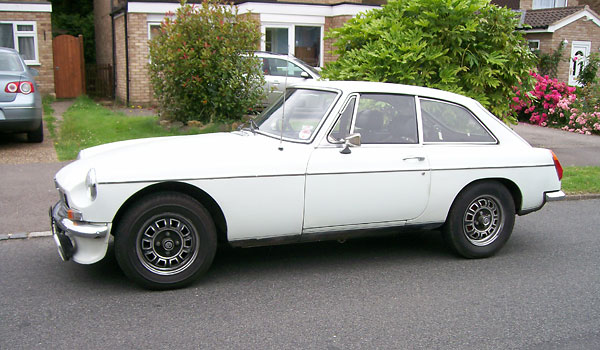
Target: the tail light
pixel 22 87
pixel 557 166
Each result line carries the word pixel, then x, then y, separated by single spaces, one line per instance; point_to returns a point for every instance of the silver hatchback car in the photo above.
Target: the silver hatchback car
pixel 20 99
pixel 280 70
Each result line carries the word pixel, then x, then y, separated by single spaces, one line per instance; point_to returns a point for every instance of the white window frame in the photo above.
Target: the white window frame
pixel 533 41
pixel 536 6
pixel 292 36
pixel 150 25
pixel 25 34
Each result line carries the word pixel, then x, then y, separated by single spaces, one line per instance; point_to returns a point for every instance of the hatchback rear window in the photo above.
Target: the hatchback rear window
pixel 10 62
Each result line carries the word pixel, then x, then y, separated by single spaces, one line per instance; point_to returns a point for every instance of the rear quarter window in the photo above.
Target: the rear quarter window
pixel 448 122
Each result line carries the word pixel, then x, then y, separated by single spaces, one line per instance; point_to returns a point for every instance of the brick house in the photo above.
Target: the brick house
pixel 287 27
pixel 575 23
pixel 26 26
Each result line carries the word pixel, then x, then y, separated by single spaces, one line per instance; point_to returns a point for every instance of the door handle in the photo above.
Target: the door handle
pixel 420 159
pixel 275 82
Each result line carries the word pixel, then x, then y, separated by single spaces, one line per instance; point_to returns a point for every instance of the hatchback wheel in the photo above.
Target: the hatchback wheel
pixel 166 240
pixel 480 221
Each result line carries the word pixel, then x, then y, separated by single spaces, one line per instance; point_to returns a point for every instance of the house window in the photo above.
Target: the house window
pixel 153 32
pixel 548 4
pixel 20 36
pixel 534 45
pixel 303 41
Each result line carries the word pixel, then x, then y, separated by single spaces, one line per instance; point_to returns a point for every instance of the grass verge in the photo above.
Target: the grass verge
pixel 581 180
pixel 86 124
pixel 48 112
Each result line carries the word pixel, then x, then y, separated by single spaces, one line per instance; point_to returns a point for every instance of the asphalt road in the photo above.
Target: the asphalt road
pixel 404 292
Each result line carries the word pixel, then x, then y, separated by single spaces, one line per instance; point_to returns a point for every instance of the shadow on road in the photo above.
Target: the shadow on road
pixel 232 265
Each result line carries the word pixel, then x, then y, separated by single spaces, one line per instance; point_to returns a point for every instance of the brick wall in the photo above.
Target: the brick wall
pixel 139 80
pixel 332 22
pixel 593 4
pixel 120 79
pixel 103 31
pixel 44 40
pixel 580 30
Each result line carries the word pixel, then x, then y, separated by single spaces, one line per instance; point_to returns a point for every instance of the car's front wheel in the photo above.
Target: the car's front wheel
pixel 165 240
pixel 480 221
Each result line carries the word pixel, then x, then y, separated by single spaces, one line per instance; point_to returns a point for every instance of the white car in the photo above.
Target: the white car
pixel 281 71
pixel 336 160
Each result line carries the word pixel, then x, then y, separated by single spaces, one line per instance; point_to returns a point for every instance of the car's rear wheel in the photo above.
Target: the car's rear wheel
pixel 36 135
pixel 480 221
pixel 166 240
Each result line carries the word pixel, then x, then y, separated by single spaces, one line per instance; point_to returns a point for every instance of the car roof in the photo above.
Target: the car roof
pixel 376 87
pixel 8 49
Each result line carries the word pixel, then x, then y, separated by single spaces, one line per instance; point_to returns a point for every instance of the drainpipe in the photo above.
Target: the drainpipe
pixel 126 52
pixel 114 53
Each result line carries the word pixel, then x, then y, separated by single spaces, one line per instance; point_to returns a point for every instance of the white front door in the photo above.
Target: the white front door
pixel 580 50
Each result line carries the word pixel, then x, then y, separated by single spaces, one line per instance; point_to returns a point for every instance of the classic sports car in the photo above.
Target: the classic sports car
pixel 329 160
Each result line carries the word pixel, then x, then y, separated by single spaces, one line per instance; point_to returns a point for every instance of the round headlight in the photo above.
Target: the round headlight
pixel 91 183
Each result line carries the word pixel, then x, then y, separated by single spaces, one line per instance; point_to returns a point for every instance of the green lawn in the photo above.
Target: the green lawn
pixel 579 180
pixel 86 124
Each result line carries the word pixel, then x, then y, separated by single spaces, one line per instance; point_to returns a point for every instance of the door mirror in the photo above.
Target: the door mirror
pixel 350 141
pixel 305 75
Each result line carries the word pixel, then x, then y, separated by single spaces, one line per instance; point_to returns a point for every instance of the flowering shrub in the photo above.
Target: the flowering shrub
pixel 546 103
pixel 553 103
pixel 200 68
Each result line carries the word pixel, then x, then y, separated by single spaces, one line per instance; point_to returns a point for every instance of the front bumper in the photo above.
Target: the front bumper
pixel 68 233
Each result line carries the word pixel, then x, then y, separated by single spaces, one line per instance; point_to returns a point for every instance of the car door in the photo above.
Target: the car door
pixel 383 182
pixel 275 71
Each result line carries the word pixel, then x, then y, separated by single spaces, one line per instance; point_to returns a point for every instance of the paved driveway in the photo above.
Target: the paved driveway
pixel 570 148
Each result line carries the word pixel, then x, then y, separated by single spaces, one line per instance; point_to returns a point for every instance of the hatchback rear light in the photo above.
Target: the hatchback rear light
pixel 557 166
pixel 19 87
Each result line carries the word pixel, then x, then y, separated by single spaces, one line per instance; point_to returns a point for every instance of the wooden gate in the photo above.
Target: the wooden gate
pixel 69 68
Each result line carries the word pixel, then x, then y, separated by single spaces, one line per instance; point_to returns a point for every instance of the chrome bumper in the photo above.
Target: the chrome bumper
pixel 554 196
pixel 63 229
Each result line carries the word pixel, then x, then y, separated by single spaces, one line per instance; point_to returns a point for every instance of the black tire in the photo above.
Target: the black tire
pixel 165 241
pixel 480 220
pixel 37 135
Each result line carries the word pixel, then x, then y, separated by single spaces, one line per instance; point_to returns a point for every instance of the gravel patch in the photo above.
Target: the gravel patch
pixel 14 148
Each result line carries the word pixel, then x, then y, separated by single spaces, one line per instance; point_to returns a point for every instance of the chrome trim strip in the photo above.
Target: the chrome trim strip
pixel 196 179
pixel 316 174
pixel 493 167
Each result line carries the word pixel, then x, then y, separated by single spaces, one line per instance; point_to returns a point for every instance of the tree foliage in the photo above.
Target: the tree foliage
pixel 200 66
pixel 74 18
pixel 464 46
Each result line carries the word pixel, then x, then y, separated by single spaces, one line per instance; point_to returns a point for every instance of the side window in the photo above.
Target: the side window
pixel 386 118
pixel 278 67
pixel 341 129
pixel 446 122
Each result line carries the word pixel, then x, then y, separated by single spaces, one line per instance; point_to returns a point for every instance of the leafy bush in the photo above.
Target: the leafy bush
pixel 589 73
pixel 548 62
pixel 465 46
pixel 200 68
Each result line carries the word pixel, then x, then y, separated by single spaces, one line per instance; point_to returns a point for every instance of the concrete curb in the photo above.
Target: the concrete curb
pixel 24 235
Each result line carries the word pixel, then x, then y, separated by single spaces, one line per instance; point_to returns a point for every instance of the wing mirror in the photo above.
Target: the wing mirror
pixel 305 75
pixel 350 141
